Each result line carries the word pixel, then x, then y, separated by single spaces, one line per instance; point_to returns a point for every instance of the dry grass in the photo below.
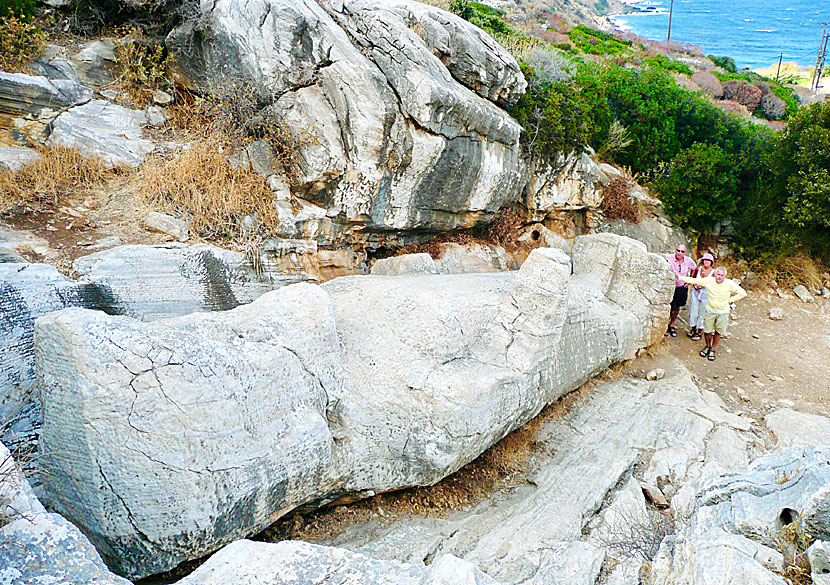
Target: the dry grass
pixel 497 468
pixel 200 184
pixel 616 204
pixel 20 41
pixel 58 171
pixel 793 270
pixel 793 542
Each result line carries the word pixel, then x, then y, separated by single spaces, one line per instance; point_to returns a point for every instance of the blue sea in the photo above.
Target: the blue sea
pixel 753 32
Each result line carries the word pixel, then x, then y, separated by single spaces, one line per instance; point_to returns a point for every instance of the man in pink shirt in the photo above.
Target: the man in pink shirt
pixel 681 265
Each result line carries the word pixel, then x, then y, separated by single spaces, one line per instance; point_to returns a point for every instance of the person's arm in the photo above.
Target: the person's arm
pixel 690 280
pixel 739 293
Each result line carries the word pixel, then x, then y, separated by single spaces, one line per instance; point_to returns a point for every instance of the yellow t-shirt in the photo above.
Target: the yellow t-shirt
pixel 719 295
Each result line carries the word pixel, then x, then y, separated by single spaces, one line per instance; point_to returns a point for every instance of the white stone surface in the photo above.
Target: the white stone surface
pixel 798 429
pixel 405 264
pixel 166 224
pixel 13 158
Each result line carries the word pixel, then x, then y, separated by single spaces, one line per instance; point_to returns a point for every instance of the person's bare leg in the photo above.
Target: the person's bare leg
pixel 708 338
pixel 673 317
pixel 715 340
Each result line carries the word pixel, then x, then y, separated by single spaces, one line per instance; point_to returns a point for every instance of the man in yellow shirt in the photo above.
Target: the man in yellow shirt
pixel 721 293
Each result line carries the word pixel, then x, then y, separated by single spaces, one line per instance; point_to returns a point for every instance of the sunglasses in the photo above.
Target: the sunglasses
pixel 680 250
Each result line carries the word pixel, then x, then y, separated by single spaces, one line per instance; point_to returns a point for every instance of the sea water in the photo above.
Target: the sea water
pixel 753 32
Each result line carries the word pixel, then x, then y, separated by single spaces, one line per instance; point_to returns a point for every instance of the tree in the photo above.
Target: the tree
pixel 700 188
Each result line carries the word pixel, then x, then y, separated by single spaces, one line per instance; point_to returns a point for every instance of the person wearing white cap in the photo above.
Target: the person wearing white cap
pixel 697 298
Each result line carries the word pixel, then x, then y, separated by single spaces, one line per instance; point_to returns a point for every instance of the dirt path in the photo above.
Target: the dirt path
pixel 763 365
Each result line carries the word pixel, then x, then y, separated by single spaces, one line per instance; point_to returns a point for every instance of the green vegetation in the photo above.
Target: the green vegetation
pixel 20 9
pixel 20 41
pixel 594 42
pixel 727 63
pixel 665 64
pixel 788 95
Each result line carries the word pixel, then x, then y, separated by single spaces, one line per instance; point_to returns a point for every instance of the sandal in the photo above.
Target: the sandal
pixel 711 357
pixel 672 331
pixel 705 351
pixel 692 332
pixel 696 336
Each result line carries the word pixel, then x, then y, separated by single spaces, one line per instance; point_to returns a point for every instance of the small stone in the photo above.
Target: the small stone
pixel 755 375
pixel 155 116
pixel 781 293
pixel 715 376
pixel 738 368
pixel 756 336
pixel 802 293
pixel 162 98
pixel 742 394
pixel 825 292
pixel 109 94
pixel 776 313
pixel 656 374
pixel 729 376
pixel 654 495
pixel 166 224
pixel 728 350
pixel 786 403
pixel 104 243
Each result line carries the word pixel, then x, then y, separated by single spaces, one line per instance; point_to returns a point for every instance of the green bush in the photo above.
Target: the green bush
pixel 701 187
pixel 594 42
pixel 20 41
pixel 727 63
pixel 553 116
pixel 788 95
pixel 665 64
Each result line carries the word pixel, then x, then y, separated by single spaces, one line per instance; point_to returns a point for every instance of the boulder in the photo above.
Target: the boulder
pixel 819 556
pixel 776 313
pixel 252 563
pixel 37 547
pixel 803 294
pixel 104 130
pixel 22 94
pixel 574 184
pixel 405 264
pixel 742 92
pixel 166 224
pixel 399 381
pixel 456 258
pixel 399 143
pixel 167 440
pixel 95 62
pixel 13 158
pixel 797 429
pixel 708 83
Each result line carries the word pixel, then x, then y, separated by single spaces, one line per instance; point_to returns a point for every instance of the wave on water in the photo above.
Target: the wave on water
pixel 764 30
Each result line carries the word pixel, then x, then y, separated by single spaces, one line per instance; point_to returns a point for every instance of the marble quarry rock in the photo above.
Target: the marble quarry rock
pixel 393 104
pixel 191 432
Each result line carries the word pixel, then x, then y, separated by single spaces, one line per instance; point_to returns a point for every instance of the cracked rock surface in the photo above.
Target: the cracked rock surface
pixel 190 432
pixel 395 130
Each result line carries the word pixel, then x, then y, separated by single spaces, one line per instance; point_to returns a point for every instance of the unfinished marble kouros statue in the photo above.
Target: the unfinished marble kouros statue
pixel 169 439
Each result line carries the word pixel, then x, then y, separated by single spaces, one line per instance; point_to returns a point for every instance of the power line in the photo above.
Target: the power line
pixel 822 54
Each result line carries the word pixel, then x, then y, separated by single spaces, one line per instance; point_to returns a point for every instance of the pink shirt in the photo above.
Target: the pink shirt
pixel 680 268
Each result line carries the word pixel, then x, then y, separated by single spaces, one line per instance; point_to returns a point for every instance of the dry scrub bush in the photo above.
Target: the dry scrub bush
pixel 20 41
pixel 142 66
pixel 58 171
pixel 792 270
pixel 616 204
pixel 793 542
pixel 200 184
pixel 632 536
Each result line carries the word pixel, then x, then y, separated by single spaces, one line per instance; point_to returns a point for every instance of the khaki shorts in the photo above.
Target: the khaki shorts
pixel 716 323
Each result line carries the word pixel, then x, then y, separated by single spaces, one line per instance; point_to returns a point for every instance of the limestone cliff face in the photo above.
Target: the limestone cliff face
pixel 398 104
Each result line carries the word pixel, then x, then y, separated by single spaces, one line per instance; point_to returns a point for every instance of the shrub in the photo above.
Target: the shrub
pixel 665 64
pixel 727 63
pixel 200 184
pixel 616 203
pixel 594 42
pixel 788 95
pixel 20 41
pixel 143 67
pixel 553 117
pixel 548 64
pixel 700 189
pixel 57 171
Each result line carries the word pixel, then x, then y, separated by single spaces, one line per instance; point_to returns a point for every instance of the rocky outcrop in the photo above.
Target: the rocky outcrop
pixel 107 131
pixel 12 158
pixel 250 563
pixel 39 547
pixel 739 516
pixel 405 135
pixel 575 184
pixel 187 434
pixel 22 94
pixel 368 383
pixel 742 92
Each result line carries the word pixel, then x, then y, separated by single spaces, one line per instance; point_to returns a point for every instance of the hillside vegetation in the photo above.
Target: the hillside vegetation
pixel 621 98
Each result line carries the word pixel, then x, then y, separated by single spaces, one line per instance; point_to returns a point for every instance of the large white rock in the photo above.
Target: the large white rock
pixel 104 130
pixel 167 440
pixel 389 138
pixel 255 563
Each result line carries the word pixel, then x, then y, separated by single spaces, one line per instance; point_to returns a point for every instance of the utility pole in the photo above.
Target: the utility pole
pixel 671 9
pixel 822 54
pixel 777 75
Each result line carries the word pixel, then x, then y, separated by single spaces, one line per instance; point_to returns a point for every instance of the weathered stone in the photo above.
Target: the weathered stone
pixel 819 556
pixel 825 292
pixel 22 94
pixel 798 429
pixel 107 131
pixel 95 62
pixel 803 294
pixel 162 98
pixel 405 264
pixel 166 224
pixel 155 116
pixel 13 158
pixel 474 257
pixel 167 440
pixel 155 282
pixel 419 150
pixel 575 184
pixel 656 374
pixel 251 563
pixel 776 313
pixel 105 243
pixel 708 83
pixel 742 92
